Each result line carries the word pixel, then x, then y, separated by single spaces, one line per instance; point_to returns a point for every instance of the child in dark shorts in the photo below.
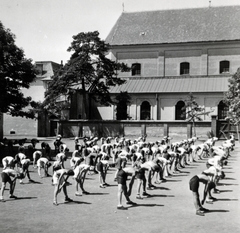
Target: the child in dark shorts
pixel 194 187
pixel 120 163
pixel 122 186
pixel 6 178
pixel 141 177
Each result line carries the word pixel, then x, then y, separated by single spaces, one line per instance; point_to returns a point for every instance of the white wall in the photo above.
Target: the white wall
pixel 164 60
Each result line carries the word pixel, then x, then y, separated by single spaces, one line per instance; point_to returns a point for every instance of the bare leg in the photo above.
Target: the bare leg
pixel 139 187
pixel 39 171
pixel 120 191
pixel 2 190
pixel 12 187
pixel 55 194
pixel 140 183
pixel 82 180
pixel 28 175
pixel 196 200
pixel 125 192
pixel 76 186
pixel 65 191
pixel 115 176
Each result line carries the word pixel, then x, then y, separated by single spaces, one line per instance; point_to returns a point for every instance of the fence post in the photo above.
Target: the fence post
pixel 143 129
pixel 189 130
pixel 214 125
pixel 59 128
pixel 80 130
pixel 1 125
pixel 100 129
pixel 166 130
pixel 122 129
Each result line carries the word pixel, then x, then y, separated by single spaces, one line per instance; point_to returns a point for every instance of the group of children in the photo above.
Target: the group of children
pixel 145 162
pixel 217 159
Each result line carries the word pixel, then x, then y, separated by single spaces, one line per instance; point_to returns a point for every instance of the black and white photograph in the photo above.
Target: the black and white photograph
pixel 119 116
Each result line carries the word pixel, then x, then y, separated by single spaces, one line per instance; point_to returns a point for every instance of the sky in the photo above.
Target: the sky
pixel 44 28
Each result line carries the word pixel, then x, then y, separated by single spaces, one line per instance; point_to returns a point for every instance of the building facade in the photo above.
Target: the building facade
pixel 173 53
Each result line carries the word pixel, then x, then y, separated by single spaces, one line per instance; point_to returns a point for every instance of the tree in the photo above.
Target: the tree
pixel 232 98
pixel 88 71
pixel 193 111
pixel 16 72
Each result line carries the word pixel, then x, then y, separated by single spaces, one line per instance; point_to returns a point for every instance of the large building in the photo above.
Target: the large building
pixel 173 53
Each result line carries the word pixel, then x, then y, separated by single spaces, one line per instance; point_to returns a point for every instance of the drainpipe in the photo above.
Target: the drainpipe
pixel 156 106
pixel 207 63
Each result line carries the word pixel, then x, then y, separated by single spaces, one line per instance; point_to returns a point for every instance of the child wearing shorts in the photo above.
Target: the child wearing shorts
pixel 122 186
pixel 102 167
pixel 206 179
pixel 59 178
pixel 36 155
pixel 6 178
pixel 44 164
pixel 8 162
pixel 80 172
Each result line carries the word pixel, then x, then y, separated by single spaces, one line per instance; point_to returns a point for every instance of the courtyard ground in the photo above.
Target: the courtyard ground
pixel 169 208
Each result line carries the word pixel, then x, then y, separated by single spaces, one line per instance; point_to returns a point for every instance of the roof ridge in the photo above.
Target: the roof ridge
pixel 179 77
pixel 179 9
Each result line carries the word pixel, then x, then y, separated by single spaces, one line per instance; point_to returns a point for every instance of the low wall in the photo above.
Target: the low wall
pixel 113 128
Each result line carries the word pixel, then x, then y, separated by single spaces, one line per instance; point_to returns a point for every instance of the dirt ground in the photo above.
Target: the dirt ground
pixel 169 208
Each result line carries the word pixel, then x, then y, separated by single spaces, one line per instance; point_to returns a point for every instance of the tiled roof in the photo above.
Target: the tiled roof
pixel 176 26
pixel 174 85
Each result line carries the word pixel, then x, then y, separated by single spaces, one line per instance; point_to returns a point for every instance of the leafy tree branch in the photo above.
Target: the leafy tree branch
pixel 88 70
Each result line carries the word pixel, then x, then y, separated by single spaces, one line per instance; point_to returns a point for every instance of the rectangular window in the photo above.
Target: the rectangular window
pixel 136 69
pixel 224 67
pixel 184 68
pixel 39 68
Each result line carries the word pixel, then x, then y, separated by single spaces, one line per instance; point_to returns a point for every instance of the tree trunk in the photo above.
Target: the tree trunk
pixel 194 129
pixel 237 133
pixel 85 104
